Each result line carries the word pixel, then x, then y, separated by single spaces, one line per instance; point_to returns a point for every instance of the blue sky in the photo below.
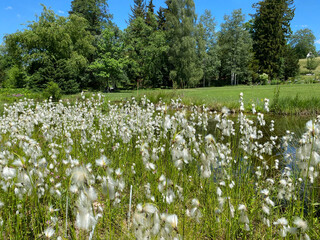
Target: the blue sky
pixel 14 14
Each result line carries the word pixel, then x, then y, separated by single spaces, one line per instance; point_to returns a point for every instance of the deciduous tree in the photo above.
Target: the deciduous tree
pixel 235 49
pixel 54 49
pixel 180 27
pixel 108 66
pixel 302 42
pixel 211 61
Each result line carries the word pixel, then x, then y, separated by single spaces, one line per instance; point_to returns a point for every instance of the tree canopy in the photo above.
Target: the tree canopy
pixel 302 42
pixel 169 47
pixel 95 11
pixel 235 49
pixel 52 49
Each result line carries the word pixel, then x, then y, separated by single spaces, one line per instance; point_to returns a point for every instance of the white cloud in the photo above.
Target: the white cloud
pixel 317 41
pixel 304 26
pixel 8 8
pixel 61 12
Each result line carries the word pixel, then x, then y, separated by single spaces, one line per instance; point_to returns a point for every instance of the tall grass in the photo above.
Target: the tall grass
pixel 67 170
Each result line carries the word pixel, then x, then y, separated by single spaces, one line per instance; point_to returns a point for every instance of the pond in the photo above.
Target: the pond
pixel 282 124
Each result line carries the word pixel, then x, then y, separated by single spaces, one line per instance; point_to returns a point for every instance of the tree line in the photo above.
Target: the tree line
pixel 167 48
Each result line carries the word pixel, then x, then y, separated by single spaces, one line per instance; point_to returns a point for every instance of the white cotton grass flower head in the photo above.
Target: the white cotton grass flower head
pixel 108 187
pixel 167 123
pixel 172 219
pixel 241 102
pixel 265 209
pixel 85 219
pixel 266 105
pixel 282 222
pixel 310 125
pixel 253 108
pixel 210 139
pixel 195 202
pixel 52 210
pixel 219 192
pixel 265 192
pixel 18 163
pixel 225 110
pixel 194 212
pixel 243 216
pixel 150 208
pixel 8 173
pixel 92 195
pixel 300 224
pixel 80 176
pixel 48 232
pixel 103 161
pixel 118 172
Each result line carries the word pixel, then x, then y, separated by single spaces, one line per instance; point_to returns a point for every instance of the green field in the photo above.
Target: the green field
pixel 304 76
pixel 303 63
pixel 293 99
pixel 302 99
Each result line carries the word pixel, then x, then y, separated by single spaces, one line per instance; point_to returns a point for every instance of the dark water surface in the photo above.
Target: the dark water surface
pixel 282 124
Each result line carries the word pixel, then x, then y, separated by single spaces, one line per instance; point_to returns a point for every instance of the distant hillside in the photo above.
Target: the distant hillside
pixel 303 63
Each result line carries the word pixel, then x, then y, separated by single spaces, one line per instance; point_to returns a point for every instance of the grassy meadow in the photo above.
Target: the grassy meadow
pixel 303 64
pixel 299 99
pixel 305 74
pixel 295 99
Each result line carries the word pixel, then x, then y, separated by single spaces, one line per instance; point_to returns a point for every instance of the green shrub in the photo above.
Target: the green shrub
pixel 53 90
pixel 263 78
pixel 312 64
pixel 304 72
pixel 275 82
pixel 16 78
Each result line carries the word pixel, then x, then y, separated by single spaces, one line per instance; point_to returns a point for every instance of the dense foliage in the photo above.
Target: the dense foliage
pixel 235 50
pixel 303 42
pixel 168 48
pixel 52 49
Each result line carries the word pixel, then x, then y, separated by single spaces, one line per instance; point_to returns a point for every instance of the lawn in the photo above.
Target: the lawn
pixel 292 98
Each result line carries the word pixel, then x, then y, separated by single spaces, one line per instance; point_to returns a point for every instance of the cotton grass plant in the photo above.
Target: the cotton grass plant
pixel 67 170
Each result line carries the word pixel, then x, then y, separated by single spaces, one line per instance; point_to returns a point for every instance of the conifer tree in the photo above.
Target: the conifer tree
pixel 151 19
pixel 161 18
pixel 138 10
pixel 150 7
pixel 143 45
pixel 291 63
pixel 271 29
pixel 95 11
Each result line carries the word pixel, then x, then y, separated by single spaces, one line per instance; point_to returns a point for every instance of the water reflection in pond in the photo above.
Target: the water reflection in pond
pixel 282 124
